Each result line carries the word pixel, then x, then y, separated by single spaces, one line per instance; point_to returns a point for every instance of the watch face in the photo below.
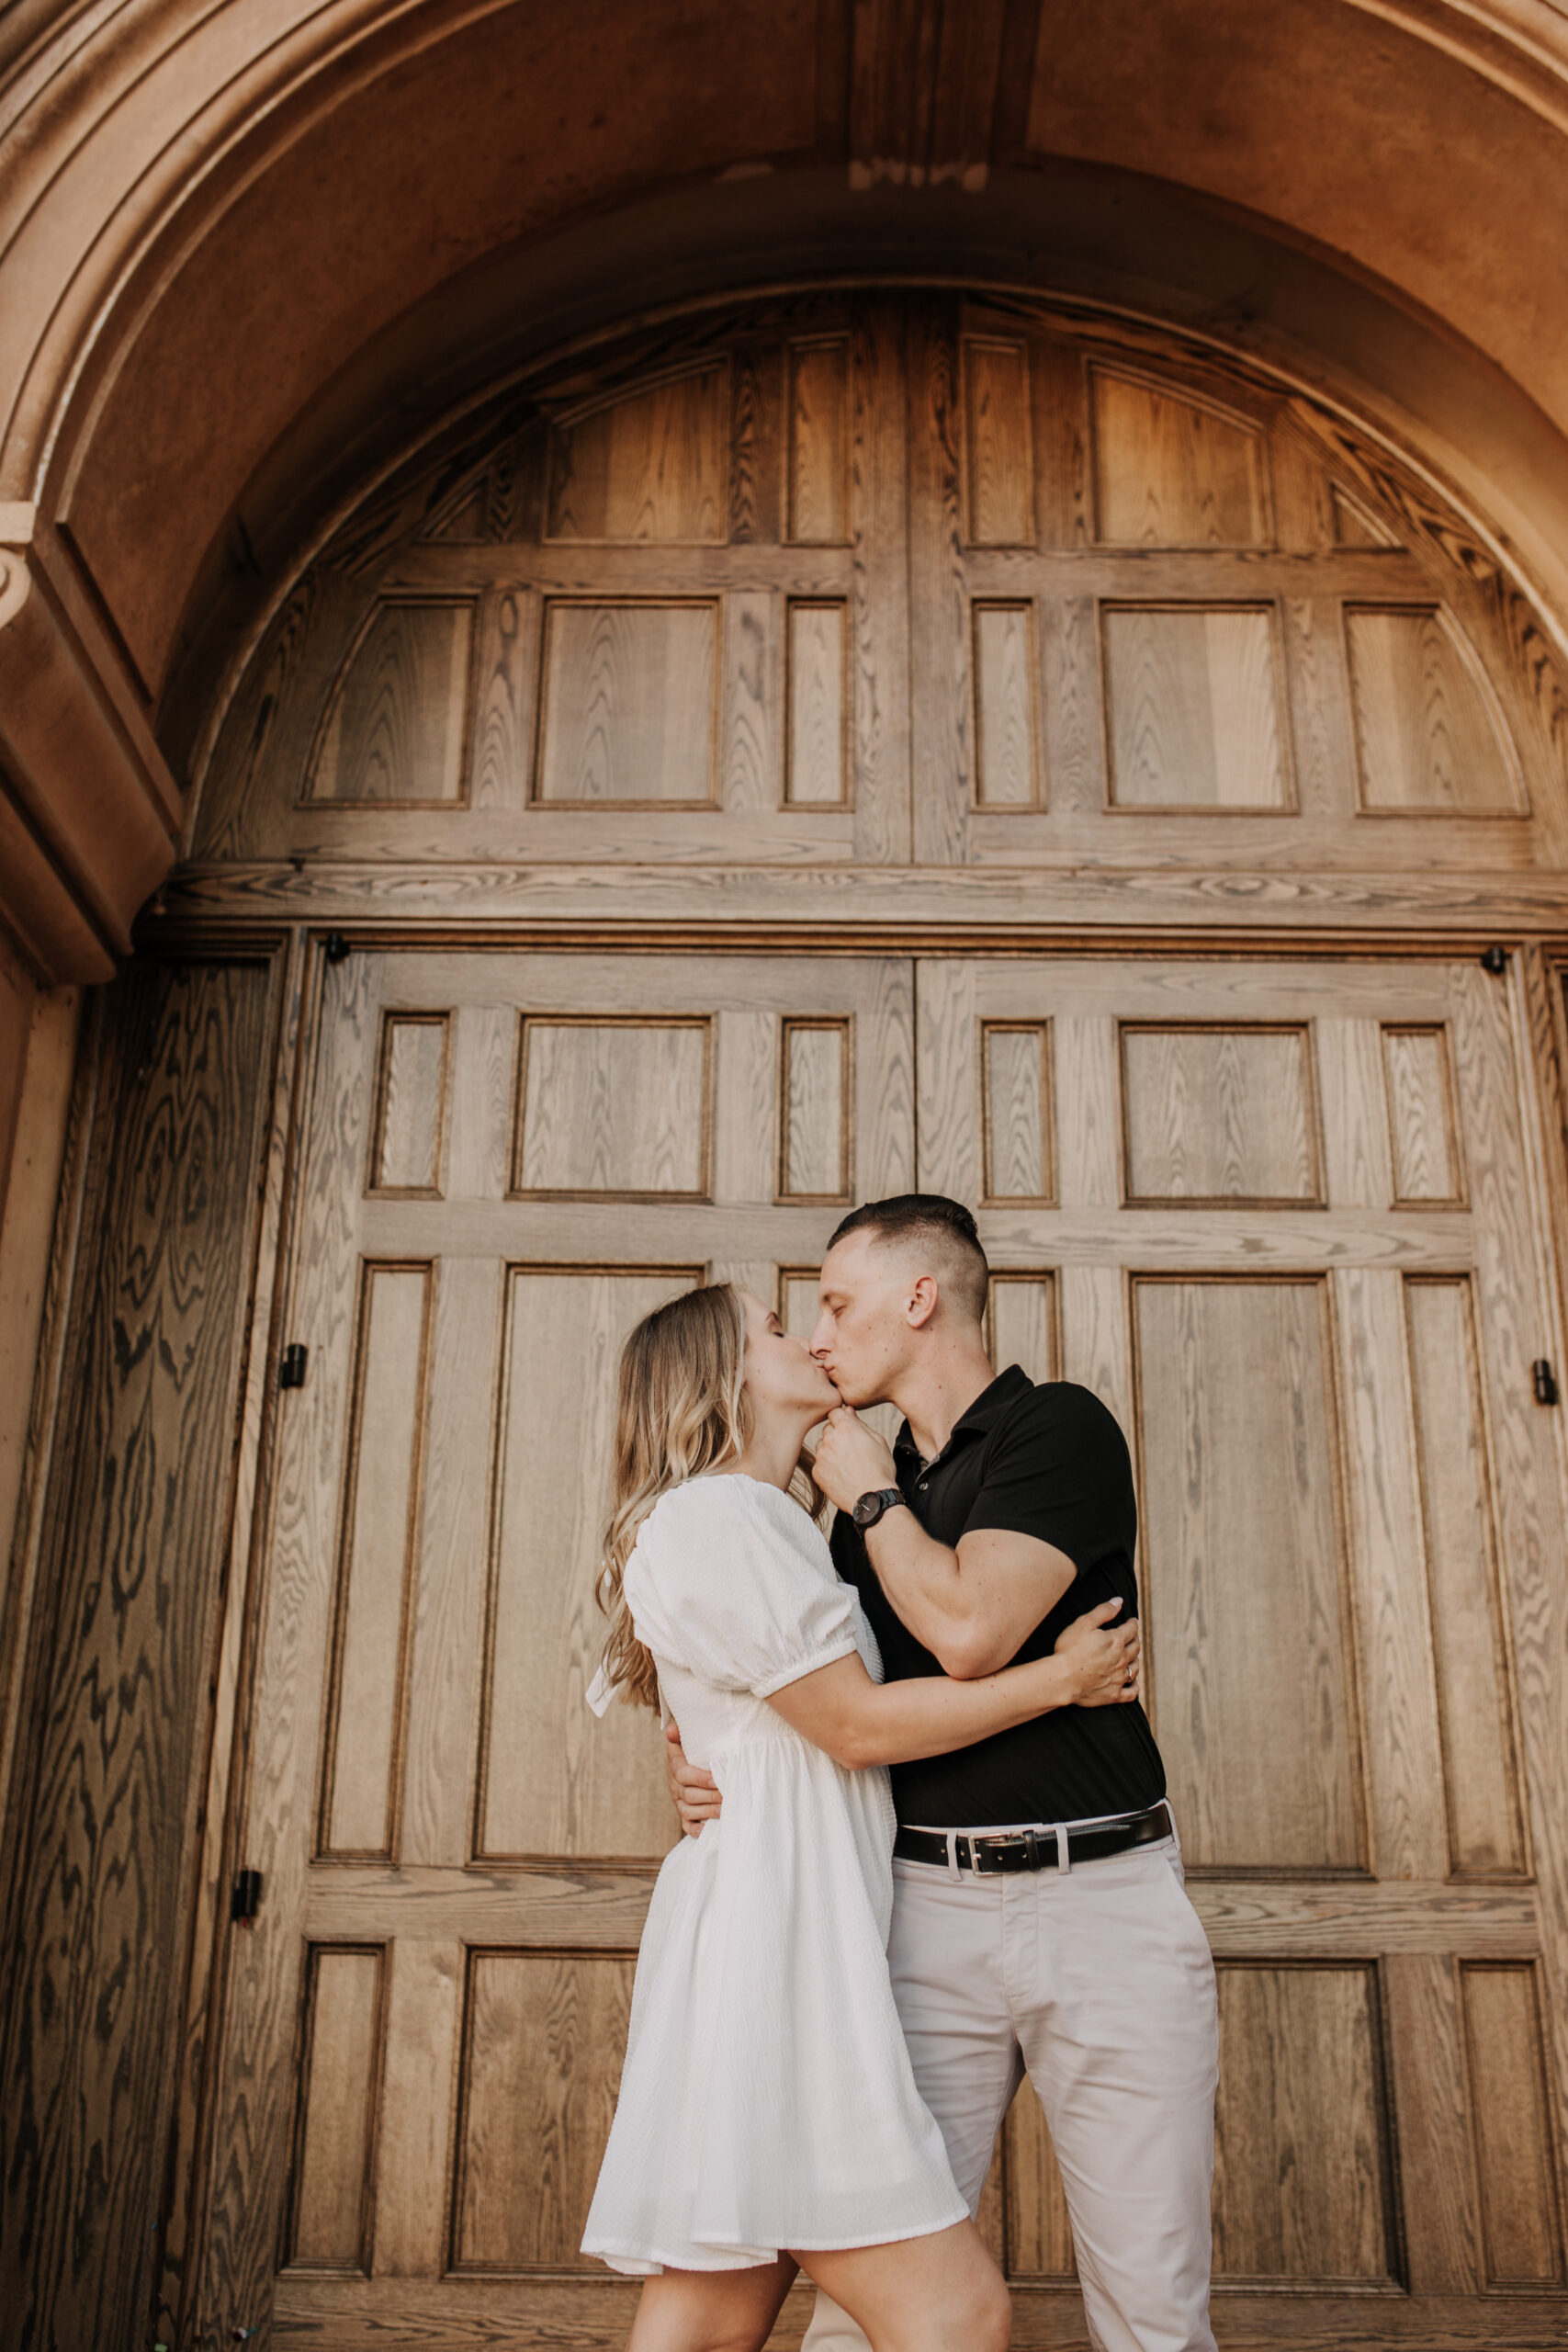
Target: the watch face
pixel 866 1510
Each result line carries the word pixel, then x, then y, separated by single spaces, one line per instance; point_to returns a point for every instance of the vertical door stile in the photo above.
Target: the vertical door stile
pixel 260 2012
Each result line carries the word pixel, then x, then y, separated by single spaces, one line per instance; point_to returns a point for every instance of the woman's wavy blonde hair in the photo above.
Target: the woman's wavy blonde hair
pixel 681 1409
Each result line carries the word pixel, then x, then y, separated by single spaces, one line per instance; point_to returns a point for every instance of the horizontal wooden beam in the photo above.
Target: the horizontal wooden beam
pixel 887 909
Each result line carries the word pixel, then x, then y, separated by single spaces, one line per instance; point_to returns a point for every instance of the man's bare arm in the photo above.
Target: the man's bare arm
pixel 972 1608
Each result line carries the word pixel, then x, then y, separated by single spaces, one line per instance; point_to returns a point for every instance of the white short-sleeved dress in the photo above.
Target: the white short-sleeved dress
pixel 767 2100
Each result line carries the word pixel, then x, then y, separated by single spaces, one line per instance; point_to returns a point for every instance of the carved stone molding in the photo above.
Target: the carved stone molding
pixel 89 812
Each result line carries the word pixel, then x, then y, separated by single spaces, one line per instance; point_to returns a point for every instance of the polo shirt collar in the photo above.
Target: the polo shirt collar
pixel 982 1415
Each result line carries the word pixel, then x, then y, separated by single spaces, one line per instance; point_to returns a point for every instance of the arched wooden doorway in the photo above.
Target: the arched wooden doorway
pixel 938 647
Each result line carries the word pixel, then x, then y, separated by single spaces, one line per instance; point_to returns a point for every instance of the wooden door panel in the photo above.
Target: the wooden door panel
pixel 1292 2200
pixel 510 1160
pixel 1243 1572
pixel 1293 1244
pixel 553 1783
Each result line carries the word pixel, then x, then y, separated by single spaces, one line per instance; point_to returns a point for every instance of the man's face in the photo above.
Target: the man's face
pixel 863 1333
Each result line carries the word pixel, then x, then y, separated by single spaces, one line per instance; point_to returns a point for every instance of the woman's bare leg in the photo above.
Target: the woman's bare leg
pixel 940 2293
pixel 710 2311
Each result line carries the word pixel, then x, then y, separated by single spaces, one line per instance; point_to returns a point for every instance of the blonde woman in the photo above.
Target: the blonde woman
pixel 768 2118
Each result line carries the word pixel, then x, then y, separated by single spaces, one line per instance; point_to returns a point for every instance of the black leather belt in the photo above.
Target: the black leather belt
pixel 1034 1849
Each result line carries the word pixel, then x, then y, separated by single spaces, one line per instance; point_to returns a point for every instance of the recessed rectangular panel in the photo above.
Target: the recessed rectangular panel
pixel 614 1107
pixel 647 467
pixel 1173 473
pixel 1007 773
pixel 1245 1619
pixel 554 1780
pixel 1422 1127
pixel 397 723
pixel 1485 1834
pixel 1039 2233
pixel 1023 1324
pixel 1511 2107
pixel 818 657
pixel 819 442
pixel 1194 702
pixel 998 443
pixel 1015 1064
pixel 334 2134
pixel 544 2035
pixel 1301 2177
pixel 362 1766
pixel 814 1110
pixel 628 703
pixel 411 1105
pixel 1428 732
pixel 1215 1117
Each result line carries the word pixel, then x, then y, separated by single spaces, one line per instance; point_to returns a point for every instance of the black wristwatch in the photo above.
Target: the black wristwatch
pixel 870 1507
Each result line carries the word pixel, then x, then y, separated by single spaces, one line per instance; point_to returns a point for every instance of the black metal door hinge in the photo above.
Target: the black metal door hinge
pixel 335 947
pixel 246 1900
pixel 1545 1381
pixel 1495 961
pixel 291 1370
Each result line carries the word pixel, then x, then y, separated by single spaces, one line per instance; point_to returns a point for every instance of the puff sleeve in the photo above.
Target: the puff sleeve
pixel 732 1582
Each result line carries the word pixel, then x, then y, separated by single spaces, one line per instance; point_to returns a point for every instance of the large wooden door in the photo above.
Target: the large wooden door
pixel 1278 1215
pixel 817 635
pixel 510 1160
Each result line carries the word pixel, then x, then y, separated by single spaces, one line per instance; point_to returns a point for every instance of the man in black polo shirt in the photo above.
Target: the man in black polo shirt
pixel 1039 1916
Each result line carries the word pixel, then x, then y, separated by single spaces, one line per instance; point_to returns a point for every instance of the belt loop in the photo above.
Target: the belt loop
pixel 1031 1850
pixel 1064 1858
pixel 953 1855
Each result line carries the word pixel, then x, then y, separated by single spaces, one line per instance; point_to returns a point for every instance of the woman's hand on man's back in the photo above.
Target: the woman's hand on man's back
pixel 694 1792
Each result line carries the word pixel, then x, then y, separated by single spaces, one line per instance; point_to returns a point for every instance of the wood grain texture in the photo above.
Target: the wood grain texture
pixel 629 703
pixel 1024 1325
pixel 367 1700
pixel 1516 2151
pixel 1405 1760
pixel 647 467
pixel 1470 1656
pixel 1428 731
pixel 1355 525
pixel 1424 1138
pixel 1217 1115
pixel 1016 1112
pixel 816 771
pixel 620 1107
pixel 816 1130
pixel 1436 2162
pixel 1174 472
pixel 103 1843
pixel 543 2041
pixel 554 1780
pixel 334 2185
pixel 1245 1612
pixel 397 726
pixel 1292 2201
pixel 999 469
pixel 410 1106
pixel 819 442
pixel 943 705
pixel 1194 705
pixel 1007 733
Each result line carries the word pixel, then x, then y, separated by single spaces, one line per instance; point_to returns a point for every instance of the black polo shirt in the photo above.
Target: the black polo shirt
pixel 1049 1462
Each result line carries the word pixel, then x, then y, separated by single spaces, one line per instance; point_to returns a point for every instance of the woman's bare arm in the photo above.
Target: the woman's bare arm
pixel 860 1722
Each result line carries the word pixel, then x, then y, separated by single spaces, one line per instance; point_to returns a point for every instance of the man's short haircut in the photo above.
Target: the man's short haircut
pixel 944 1227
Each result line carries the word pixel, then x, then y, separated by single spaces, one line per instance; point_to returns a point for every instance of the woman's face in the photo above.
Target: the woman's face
pixel 782 1375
